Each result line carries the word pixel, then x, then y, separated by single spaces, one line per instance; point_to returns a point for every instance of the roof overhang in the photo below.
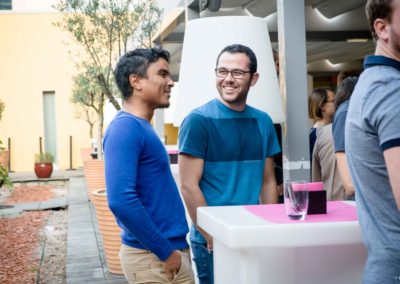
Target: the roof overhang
pixel 174 18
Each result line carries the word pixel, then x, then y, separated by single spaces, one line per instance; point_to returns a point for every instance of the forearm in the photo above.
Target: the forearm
pixel 392 159
pixel 191 171
pixel 269 194
pixel 269 189
pixel 344 173
pixel 193 199
pixel 135 219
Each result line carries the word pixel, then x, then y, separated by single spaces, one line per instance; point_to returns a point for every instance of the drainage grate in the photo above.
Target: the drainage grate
pixel 6 206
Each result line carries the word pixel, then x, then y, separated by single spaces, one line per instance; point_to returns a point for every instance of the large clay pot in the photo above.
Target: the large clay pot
pixel 94 175
pixel 43 170
pixel 109 231
pixel 5 158
pixel 85 154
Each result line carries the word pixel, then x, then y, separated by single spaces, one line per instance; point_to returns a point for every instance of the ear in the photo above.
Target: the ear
pixel 381 27
pixel 134 81
pixel 254 78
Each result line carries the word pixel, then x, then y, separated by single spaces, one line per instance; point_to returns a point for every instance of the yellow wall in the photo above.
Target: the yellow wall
pixel 33 59
pixel 171 134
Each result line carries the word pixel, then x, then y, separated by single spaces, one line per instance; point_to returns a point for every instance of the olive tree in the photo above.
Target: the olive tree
pixel 104 30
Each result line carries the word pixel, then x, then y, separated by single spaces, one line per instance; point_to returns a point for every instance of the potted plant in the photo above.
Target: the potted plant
pixel 4 156
pixel 4 178
pixel 44 164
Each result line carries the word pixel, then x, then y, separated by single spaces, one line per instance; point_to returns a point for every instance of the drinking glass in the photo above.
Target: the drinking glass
pixel 296 199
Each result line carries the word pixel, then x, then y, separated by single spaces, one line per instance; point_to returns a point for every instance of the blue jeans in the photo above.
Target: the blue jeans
pixel 204 262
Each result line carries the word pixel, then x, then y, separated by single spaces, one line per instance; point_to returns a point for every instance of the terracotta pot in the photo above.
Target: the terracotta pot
pixel 94 175
pixel 109 231
pixel 5 158
pixel 85 154
pixel 43 170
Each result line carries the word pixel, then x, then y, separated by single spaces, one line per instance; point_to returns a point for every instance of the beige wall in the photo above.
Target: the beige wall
pixel 33 59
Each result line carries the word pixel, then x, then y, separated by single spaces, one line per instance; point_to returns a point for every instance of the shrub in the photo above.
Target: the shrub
pixel 44 157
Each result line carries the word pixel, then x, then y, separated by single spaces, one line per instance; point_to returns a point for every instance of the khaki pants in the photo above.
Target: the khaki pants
pixel 142 266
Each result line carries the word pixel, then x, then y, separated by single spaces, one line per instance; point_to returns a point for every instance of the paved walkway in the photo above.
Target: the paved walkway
pixel 86 261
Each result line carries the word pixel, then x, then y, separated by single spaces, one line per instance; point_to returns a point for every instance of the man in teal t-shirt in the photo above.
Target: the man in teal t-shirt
pixel 226 150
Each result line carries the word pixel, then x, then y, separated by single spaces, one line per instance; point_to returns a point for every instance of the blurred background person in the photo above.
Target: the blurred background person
pixel 278 129
pixel 324 166
pixel 320 109
pixel 342 100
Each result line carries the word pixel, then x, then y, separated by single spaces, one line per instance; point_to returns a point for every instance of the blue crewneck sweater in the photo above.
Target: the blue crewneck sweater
pixel 141 191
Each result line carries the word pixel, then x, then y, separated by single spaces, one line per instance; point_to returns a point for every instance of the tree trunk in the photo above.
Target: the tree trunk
pixel 100 133
pixel 107 92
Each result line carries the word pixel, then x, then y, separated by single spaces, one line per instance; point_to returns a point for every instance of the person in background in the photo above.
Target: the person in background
pixel 324 167
pixel 320 110
pixel 226 150
pixel 372 140
pixel 278 128
pixel 141 190
pixel 342 100
pixel 345 74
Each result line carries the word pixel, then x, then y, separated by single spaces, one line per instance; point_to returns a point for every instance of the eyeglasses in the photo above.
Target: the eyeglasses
pixel 237 74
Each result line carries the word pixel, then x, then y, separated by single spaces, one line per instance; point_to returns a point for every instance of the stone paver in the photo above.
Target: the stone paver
pixel 85 255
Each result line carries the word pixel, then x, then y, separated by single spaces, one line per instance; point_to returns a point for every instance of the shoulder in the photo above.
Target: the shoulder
pixel 200 114
pixel 340 114
pixel 259 114
pixel 343 108
pixel 377 94
pixel 124 121
pixel 324 130
pixel 126 127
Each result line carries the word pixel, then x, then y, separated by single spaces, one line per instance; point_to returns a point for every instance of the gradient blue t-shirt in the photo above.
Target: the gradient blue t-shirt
pixel 234 146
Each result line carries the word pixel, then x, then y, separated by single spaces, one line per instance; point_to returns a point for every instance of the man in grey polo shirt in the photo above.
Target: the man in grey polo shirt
pixel 372 140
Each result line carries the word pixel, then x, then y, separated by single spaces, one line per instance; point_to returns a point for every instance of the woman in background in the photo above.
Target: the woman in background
pixel 320 109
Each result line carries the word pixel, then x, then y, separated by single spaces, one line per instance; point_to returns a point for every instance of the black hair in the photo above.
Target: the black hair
pixel 238 48
pixel 136 62
pixel 344 90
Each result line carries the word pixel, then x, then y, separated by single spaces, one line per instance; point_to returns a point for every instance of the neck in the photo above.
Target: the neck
pixel 236 106
pixel 384 49
pixel 138 108
pixel 322 122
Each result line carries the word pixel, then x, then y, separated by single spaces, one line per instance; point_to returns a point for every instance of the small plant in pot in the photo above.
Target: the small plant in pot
pixel 4 178
pixel 44 164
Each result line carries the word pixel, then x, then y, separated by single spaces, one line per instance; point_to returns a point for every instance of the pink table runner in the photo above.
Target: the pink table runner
pixel 337 211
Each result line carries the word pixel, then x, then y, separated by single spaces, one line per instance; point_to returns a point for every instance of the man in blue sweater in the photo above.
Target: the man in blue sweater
pixel 141 191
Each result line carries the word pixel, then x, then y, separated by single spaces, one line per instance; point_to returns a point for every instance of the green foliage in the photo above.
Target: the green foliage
pixel 44 157
pixel 1 146
pixel 4 178
pixel 88 98
pixel 105 29
pixel 2 107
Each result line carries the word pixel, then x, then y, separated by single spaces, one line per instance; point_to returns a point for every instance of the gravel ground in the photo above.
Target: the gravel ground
pixel 33 245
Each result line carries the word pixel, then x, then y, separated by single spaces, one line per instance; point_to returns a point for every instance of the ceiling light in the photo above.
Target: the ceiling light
pixel 357 40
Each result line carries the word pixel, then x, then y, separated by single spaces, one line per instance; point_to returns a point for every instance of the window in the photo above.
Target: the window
pixel 5 5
